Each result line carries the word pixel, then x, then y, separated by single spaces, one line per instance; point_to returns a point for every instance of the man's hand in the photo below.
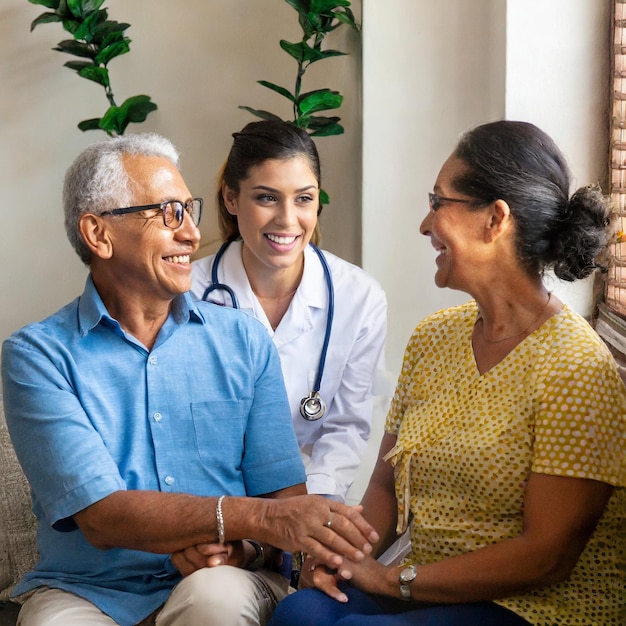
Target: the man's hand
pixel 327 530
pixel 196 557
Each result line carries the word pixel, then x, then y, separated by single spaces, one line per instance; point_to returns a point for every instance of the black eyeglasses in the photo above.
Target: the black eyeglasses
pixel 173 211
pixel 436 201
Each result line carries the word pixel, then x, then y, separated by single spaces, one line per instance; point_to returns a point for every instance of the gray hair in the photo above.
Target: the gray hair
pixel 97 180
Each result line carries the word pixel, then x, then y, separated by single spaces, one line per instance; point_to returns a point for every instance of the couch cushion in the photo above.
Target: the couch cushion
pixel 18 551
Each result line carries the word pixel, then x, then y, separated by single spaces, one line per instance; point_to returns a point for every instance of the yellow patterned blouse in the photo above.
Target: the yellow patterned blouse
pixel 468 442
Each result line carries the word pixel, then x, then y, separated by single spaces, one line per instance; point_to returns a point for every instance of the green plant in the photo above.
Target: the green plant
pixel 317 18
pixel 97 40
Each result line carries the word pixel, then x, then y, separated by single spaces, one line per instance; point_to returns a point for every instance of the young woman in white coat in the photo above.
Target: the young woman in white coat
pixel 269 266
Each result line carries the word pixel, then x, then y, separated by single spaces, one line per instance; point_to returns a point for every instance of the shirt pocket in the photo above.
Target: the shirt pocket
pixel 219 430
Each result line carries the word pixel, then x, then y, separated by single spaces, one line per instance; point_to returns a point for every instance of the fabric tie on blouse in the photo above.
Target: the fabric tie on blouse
pixel 400 457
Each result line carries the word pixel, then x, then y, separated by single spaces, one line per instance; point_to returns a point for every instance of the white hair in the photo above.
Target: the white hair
pixel 97 180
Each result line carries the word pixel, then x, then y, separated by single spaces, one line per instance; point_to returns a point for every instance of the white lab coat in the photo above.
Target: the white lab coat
pixel 333 445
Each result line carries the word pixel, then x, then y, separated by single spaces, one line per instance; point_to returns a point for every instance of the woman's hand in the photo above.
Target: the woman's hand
pixel 368 575
pixel 316 575
pixel 196 557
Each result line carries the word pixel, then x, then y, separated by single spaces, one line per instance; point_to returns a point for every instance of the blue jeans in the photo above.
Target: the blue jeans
pixel 311 607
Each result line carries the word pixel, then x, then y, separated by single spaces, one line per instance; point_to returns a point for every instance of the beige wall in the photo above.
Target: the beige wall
pixel 198 60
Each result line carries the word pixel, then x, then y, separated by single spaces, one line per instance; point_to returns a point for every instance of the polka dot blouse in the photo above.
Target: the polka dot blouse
pixel 466 444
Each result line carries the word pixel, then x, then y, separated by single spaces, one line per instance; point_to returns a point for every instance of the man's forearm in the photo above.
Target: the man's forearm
pixel 164 523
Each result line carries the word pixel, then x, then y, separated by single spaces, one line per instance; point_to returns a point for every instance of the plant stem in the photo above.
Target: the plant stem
pixel 298 87
pixel 110 97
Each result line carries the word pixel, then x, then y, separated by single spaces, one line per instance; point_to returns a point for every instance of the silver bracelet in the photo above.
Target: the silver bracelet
pixel 220 520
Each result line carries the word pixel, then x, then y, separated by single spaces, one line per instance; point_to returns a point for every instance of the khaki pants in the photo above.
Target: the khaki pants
pixel 219 596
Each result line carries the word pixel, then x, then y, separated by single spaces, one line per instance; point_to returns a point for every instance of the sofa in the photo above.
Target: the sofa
pixel 18 547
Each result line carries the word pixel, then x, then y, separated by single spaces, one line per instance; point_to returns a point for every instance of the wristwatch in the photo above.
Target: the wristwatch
pixel 259 558
pixel 407 575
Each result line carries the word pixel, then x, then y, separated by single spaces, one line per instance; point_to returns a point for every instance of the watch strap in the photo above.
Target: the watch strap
pixel 259 558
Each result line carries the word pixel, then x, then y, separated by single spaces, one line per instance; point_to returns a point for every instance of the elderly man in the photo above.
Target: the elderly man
pixel 145 422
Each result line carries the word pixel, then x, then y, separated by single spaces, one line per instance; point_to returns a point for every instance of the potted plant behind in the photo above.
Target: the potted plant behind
pixel 317 18
pixel 96 40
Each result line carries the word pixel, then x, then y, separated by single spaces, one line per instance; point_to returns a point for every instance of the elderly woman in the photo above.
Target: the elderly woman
pixel 505 444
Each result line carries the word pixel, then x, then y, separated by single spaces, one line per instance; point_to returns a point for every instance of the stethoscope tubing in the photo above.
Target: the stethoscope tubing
pixel 312 407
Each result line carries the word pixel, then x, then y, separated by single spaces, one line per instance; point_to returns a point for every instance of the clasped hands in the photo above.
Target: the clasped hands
pixel 330 532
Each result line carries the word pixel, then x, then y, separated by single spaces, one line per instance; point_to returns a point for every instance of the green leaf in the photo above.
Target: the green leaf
pixel 134 109
pixel 50 4
pixel 324 6
pixel 324 198
pixel 325 54
pixel 321 126
pixel 298 5
pixel 307 29
pixel 110 52
pixel 78 65
pixel 89 25
pixel 75 7
pixel 301 51
pixel 99 75
pixel 92 124
pixel 91 5
pixel 348 18
pixel 76 48
pixel 327 131
pixel 321 121
pixel 70 25
pixel 109 32
pixel 319 100
pixel 44 18
pixel 83 8
pixel 314 23
pixel 278 89
pixel 264 115
pixel 113 121
pixel 137 108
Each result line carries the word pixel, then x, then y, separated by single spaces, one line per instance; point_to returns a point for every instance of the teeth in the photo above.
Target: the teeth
pixel 281 240
pixel 178 259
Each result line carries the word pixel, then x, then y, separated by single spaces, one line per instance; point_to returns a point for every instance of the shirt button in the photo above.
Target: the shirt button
pixel 157 417
pixel 169 480
pixel 153 360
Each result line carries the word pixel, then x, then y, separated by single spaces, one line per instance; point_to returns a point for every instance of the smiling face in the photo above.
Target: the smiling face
pixel 276 210
pixel 148 259
pixel 456 231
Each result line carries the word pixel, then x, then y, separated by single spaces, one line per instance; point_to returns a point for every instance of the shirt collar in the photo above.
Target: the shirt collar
pixel 91 309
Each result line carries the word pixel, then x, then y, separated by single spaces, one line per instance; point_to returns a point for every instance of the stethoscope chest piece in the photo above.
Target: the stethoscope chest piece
pixel 312 407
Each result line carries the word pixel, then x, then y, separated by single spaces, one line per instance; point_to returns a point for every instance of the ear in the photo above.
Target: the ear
pixel 96 235
pixel 230 199
pixel 498 220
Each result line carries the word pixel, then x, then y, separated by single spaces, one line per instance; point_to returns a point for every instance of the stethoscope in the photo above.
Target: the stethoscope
pixel 312 407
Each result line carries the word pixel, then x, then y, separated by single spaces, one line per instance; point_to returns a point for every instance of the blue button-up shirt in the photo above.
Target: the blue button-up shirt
pixel 91 411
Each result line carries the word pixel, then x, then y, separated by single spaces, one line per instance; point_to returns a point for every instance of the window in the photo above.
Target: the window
pixel 611 320
pixel 615 293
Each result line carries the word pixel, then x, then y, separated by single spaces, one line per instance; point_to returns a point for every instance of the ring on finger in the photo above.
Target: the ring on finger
pixel 330 520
